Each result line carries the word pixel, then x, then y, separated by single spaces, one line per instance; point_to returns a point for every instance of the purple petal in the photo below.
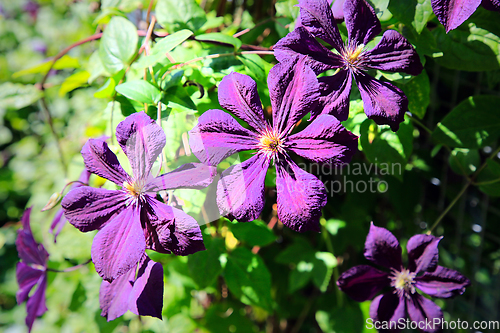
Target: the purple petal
pixel 238 94
pixel 57 223
pixel 89 208
pixel 338 9
pixel 493 5
pixel 452 13
pixel 383 102
pixel 361 21
pixel 336 90
pixel 35 307
pixel 240 190
pixel 142 140
pixel 119 245
pixel 218 135
pixel 28 249
pixel 114 296
pixel 394 54
pixel 190 175
pixel 324 140
pixel 300 197
pixel 146 297
pixel 382 248
pixel 363 282
pixel 26 277
pixel 422 311
pixel 301 42
pixel 423 253
pixel 317 17
pixel 388 308
pixel 442 283
pixel 294 91
pixel 172 230
pixel 99 159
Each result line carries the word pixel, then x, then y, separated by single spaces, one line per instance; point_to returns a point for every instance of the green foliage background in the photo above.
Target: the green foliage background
pixel 251 278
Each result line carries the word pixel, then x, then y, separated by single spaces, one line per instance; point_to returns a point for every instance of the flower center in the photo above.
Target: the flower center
pixel 403 282
pixel 270 143
pixel 134 188
pixel 352 56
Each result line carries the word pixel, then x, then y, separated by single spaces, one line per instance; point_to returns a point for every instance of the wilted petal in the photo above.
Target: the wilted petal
pixel 300 197
pixel 394 54
pixel 294 91
pixel 146 297
pixel 493 5
pixel 100 160
pixel 114 296
pixel 362 282
pixel 301 42
pixel 218 135
pixel 336 90
pixel 442 283
pixel 173 230
pixel 35 307
pixel 388 308
pixel 420 309
pixel 240 190
pixel 28 249
pixel 324 140
pixel 423 253
pixel 119 245
pixel 89 208
pixel 382 248
pixel 142 140
pixel 385 103
pixel 317 17
pixel 361 21
pixel 238 94
pixel 452 13
pixel 26 277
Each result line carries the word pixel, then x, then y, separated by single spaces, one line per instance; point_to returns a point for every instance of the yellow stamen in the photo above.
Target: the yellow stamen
pixel 133 189
pixel 270 143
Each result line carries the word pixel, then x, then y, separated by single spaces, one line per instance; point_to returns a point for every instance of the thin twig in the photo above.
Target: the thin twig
pixel 50 121
pixel 69 269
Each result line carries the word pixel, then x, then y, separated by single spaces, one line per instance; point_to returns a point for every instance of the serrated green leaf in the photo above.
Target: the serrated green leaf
pixel 220 38
pixel 180 14
pixel 254 233
pixel 473 124
pixel 118 44
pixel 65 62
pixel 248 278
pixel 74 81
pixel 140 90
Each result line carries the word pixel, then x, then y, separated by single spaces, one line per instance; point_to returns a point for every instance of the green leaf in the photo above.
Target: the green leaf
pixel 418 93
pixel 248 278
pixel 412 12
pixel 473 46
pixel 220 38
pixel 254 233
pixel 287 8
pixel 333 226
pixel 165 45
pixel 107 90
pixel 324 262
pixel 180 14
pixel 380 8
pixel 65 62
pixel 464 161
pixel 300 250
pixel 118 44
pixel 300 276
pixel 74 81
pixel 204 266
pixel 473 124
pixel 490 178
pixel 389 150
pixel 140 90
pixel 257 66
pixel 178 98
pixel 16 96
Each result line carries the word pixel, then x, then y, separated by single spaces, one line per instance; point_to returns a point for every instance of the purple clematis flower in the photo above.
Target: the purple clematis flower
pixel 31 271
pixel 452 13
pixel 363 282
pixel 383 102
pixel 294 91
pixel 141 293
pixel 131 219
